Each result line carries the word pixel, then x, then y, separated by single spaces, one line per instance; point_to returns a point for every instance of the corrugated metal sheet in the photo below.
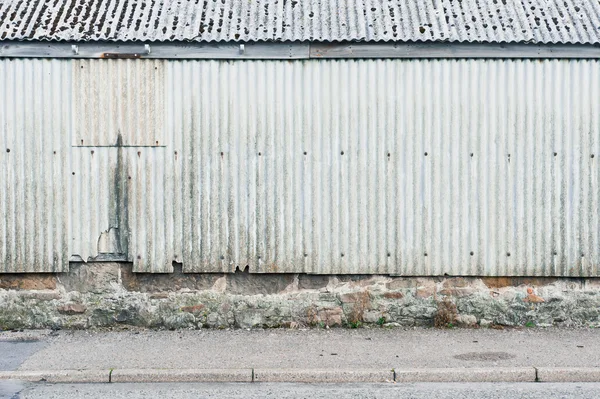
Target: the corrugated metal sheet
pixel 118 103
pixel 539 21
pixel 464 167
pixel 401 167
pixel 122 194
pixel 34 159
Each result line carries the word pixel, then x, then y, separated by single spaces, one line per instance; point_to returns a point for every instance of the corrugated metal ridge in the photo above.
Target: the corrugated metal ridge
pixel 493 21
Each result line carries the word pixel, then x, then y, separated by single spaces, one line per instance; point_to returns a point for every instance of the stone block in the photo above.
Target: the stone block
pixel 466 320
pixel 249 318
pixel 372 316
pixel 98 278
pixel 71 309
pixel 353 297
pixel 312 282
pixel 458 287
pixel 401 283
pixel 180 320
pixel 41 295
pixel 424 292
pixel 193 309
pixel 330 316
pixel 255 284
pixel 393 295
pixel 28 281
pixel 170 282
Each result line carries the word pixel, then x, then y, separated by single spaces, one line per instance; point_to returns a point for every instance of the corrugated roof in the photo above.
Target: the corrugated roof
pixel 538 21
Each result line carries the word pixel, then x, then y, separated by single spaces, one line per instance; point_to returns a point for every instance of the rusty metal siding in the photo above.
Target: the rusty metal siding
pixel 411 167
pixel 34 159
pixel 404 167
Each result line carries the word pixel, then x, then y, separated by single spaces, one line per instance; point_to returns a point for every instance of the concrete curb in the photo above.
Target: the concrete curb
pixel 517 374
pixel 64 376
pixel 496 374
pixel 323 375
pixel 174 375
pixel 568 374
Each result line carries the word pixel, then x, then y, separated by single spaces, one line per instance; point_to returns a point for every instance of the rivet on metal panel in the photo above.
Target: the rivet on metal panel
pixel 304 152
pixel 81 142
pixel 592 155
pixel 305 255
pixel 259 154
pixel 389 254
pixel 258 256
pixel 139 153
pixel 157 143
pixel 555 253
pixel 222 257
pixel 471 155
pixel 129 177
pixel 342 255
pixel 388 154
pixel 582 255
pixel 472 253
pixel 221 153
pixel 425 154
pixel 555 154
pixel 425 254
pixel 92 152
pixel 139 256
pixel 54 152
pixel 73 173
pixel 508 254
pixel 8 150
pixel 342 153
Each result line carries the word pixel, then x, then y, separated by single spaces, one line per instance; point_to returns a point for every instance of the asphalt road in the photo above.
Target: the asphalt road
pixel 14 390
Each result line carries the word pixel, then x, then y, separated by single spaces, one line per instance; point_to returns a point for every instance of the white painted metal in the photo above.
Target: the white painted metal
pixel 485 21
pixel 404 167
pixel 118 102
pixel 34 165
pixel 410 166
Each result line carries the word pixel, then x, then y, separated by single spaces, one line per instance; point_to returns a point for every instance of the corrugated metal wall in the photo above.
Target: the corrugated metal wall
pixel 468 167
pixel 34 165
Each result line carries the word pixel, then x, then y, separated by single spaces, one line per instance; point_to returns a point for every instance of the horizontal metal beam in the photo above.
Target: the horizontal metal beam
pixel 154 50
pixel 452 50
pixel 297 50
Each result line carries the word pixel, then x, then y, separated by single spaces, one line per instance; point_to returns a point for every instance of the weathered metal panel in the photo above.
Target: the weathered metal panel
pixel 471 167
pixel 34 162
pixel 118 103
pixel 464 167
pixel 126 206
pixel 537 21
pixel 123 202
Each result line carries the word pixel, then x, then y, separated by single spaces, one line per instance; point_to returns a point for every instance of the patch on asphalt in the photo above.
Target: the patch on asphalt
pixel 14 353
pixel 484 356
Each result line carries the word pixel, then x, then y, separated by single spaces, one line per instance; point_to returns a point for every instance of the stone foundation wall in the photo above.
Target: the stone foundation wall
pixel 109 294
